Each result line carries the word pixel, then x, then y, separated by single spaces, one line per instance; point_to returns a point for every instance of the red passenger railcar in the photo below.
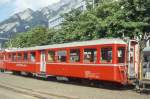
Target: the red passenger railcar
pixel 2 65
pixel 105 59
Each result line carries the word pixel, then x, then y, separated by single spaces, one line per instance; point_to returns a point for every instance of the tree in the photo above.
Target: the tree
pixel 109 18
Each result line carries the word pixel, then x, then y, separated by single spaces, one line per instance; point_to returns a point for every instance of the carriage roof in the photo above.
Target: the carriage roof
pixel 72 44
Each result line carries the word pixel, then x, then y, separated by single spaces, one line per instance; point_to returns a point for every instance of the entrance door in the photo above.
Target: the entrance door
pixel 133 59
pixel 131 68
pixel 43 62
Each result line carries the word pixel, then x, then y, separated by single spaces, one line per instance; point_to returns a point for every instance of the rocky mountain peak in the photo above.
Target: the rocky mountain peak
pixel 19 22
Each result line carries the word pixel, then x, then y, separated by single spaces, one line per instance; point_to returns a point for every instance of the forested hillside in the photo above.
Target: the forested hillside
pixel 109 18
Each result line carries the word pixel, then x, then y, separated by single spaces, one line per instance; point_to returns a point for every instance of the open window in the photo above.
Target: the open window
pixel 62 56
pixel 121 55
pixel 90 55
pixel 32 56
pixel 106 55
pixel 51 56
pixel 19 56
pixel 14 57
pixel 25 56
pixel 74 55
pixel 1 56
pixel 9 56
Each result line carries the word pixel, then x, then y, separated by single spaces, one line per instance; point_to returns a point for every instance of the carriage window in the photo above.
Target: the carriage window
pixel 106 55
pixel 121 55
pixel 9 56
pixel 25 57
pixel 14 57
pixel 19 56
pixel 74 55
pixel 62 56
pixel 145 59
pixel 32 56
pixel 90 55
pixel 1 57
pixel 51 56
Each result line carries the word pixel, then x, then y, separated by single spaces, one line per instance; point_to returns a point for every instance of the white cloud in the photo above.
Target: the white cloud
pixel 4 1
pixel 21 5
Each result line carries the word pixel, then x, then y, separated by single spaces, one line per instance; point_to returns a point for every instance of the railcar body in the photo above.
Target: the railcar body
pixel 2 65
pixel 110 60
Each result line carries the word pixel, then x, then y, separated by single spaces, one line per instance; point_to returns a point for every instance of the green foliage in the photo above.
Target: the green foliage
pixel 109 18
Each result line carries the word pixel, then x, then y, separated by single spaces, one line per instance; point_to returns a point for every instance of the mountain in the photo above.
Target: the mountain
pixel 22 21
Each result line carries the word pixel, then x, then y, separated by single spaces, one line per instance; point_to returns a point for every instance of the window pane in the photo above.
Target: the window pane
pixel 32 56
pixel 51 56
pixel 106 55
pixel 25 58
pixel 9 56
pixel 146 59
pixel 121 55
pixel 90 55
pixel 1 57
pixel 62 56
pixel 19 56
pixel 75 55
pixel 14 57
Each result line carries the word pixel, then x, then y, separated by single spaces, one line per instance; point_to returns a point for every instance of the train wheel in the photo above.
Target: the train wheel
pixel 2 70
pixel 16 73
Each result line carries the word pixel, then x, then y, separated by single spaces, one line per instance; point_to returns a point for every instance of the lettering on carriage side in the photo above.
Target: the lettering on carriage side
pixel 89 74
pixel 21 65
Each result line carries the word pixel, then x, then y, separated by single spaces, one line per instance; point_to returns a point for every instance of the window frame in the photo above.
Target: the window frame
pixel 126 53
pixel 1 56
pixel 79 55
pixel 107 46
pixel 23 56
pixel 9 56
pixel 14 59
pixel 18 56
pixel 47 53
pixel 124 61
pixel 56 55
pixel 90 47
pixel 29 56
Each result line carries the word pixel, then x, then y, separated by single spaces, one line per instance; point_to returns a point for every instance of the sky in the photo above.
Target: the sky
pixel 10 7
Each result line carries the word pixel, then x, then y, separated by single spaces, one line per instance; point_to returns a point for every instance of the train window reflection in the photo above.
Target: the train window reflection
pixel 32 56
pixel 14 57
pixel 25 57
pixel 90 55
pixel 19 56
pixel 51 56
pixel 62 56
pixel 74 55
pixel 1 57
pixel 121 55
pixel 106 55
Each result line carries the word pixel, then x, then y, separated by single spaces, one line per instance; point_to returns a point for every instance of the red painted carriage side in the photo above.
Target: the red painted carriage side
pixel 90 71
pixel 108 71
pixel 99 71
pixel 2 62
pixel 22 65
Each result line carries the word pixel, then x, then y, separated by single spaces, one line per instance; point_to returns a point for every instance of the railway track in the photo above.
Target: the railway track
pixel 32 93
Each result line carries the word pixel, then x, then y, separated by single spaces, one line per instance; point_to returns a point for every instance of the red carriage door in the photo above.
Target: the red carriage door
pixel 43 61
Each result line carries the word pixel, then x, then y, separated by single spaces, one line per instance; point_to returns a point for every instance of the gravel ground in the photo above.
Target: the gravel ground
pixel 65 90
pixel 7 94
